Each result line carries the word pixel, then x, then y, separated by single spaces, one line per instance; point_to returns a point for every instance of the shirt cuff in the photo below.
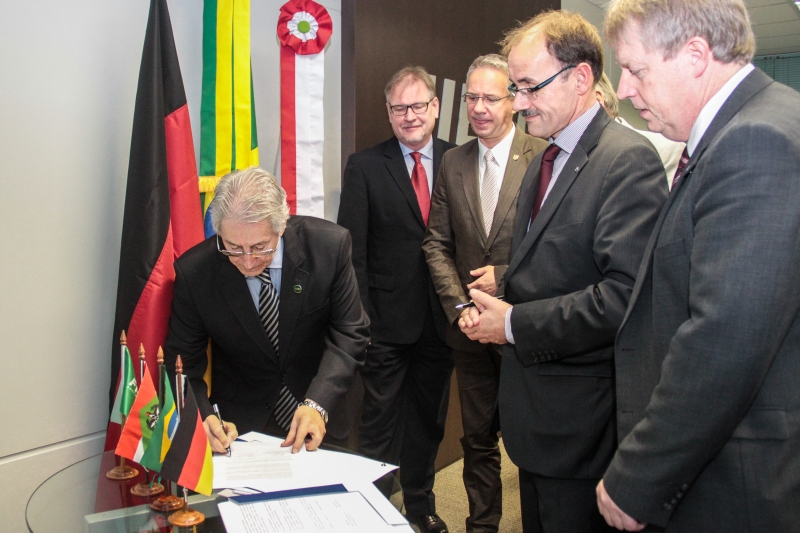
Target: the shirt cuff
pixel 509 334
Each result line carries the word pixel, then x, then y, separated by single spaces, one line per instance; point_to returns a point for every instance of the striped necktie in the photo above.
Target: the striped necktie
pixel 489 189
pixel 268 305
pixel 681 165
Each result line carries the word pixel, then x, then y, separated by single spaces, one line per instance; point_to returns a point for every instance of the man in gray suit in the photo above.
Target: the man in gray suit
pixel 586 208
pixel 708 355
pixel 468 245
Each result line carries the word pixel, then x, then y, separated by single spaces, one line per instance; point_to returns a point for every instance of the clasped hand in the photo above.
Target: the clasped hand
pixel 486 321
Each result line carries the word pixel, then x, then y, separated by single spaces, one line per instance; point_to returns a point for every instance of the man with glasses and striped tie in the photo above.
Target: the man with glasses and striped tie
pixel 277 298
pixel 467 246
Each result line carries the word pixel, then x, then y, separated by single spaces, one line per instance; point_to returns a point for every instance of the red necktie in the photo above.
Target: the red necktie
pixel 545 175
pixel 419 179
pixel 681 166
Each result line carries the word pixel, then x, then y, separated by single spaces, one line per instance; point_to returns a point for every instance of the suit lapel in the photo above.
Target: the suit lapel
pixel 396 165
pixel 572 168
pixel 515 170
pixel 752 84
pixel 470 174
pixel 293 280
pixel 233 287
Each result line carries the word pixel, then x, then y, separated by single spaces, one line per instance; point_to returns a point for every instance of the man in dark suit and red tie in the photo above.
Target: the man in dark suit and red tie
pixel 586 208
pixel 385 204
pixel 708 355
pixel 468 245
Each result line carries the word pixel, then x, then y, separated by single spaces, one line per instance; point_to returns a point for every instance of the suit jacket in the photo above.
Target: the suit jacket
pixel 379 207
pixel 456 241
pixel 708 356
pixel 323 329
pixel 569 279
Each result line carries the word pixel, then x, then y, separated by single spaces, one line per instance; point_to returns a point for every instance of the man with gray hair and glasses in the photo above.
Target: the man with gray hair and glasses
pixel 708 356
pixel 276 298
pixel 467 246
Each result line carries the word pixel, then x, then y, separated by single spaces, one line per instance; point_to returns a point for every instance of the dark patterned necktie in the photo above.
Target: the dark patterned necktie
pixel 419 179
pixel 545 175
pixel 268 305
pixel 681 165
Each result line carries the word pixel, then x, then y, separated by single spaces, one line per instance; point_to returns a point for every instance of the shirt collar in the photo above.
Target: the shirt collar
pixel 426 151
pixel 568 139
pixel 712 107
pixel 501 149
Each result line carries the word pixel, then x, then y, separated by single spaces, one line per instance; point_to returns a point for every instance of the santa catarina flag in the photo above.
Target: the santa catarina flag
pixel 162 217
pixel 141 420
pixel 164 430
pixel 188 461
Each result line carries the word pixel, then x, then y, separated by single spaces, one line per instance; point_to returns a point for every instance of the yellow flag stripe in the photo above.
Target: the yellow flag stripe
pixel 241 81
pixel 224 89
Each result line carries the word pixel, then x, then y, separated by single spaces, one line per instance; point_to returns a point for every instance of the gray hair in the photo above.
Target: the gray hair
pixel 408 75
pixel 495 61
pixel 247 196
pixel 666 25
pixel 610 100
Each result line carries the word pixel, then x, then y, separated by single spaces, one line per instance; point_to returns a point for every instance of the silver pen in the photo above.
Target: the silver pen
pixel 472 304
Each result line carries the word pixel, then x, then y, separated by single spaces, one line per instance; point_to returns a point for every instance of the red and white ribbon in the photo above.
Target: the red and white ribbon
pixel 304 28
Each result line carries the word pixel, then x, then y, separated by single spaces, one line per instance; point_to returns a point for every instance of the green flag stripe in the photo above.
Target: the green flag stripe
pixel 253 134
pixel 208 104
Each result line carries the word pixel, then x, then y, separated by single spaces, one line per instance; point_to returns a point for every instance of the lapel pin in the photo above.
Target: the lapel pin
pixel 516 157
pixel 577 169
pixel 298 289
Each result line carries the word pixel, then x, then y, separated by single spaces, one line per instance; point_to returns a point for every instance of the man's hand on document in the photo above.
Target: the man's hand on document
pixel 307 428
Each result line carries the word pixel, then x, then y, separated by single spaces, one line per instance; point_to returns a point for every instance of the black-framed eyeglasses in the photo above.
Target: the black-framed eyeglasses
pixel 488 100
pixel 418 108
pixel 255 252
pixel 530 92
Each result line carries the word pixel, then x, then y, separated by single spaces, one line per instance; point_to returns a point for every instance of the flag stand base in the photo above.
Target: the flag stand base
pixel 122 472
pixel 186 517
pixel 145 490
pixel 166 503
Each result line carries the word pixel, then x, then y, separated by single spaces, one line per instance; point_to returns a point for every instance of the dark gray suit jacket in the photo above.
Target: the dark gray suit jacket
pixel 569 279
pixel 456 241
pixel 708 357
pixel 324 330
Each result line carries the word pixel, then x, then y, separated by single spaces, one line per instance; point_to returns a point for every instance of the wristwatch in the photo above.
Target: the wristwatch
pixel 317 407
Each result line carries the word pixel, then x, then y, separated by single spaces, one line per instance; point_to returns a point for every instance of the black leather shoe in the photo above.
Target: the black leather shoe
pixel 428 523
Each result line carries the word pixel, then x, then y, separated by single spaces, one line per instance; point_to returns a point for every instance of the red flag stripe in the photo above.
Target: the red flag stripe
pixel 288 129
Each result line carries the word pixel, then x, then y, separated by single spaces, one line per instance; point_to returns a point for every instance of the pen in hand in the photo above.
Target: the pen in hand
pixel 472 304
pixel 221 423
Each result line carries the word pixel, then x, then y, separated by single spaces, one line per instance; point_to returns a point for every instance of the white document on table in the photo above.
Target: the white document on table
pixel 260 463
pixel 344 512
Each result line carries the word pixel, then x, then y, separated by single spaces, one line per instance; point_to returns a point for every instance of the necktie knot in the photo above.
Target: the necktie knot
pixel 488 157
pixel 416 157
pixel 264 277
pixel 551 152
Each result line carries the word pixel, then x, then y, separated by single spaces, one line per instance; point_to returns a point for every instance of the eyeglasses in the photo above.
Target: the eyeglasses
pixel 256 251
pixel 530 92
pixel 418 108
pixel 472 99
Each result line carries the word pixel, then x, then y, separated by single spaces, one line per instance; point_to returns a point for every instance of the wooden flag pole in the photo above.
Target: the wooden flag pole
pixel 185 517
pixel 167 502
pixel 122 472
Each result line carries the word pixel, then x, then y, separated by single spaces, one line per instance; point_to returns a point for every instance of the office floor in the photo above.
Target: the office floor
pixel 451 498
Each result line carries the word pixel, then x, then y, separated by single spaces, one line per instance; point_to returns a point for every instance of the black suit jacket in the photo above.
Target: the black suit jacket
pixel 324 331
pixel 708 357
pixel 569 279
pixel 379 207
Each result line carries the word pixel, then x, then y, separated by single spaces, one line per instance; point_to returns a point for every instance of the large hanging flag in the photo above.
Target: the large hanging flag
pixel 162 217
pixel 164 430
pixel 188 461
pixel 304 28
pixel 141 421
pixel 228 139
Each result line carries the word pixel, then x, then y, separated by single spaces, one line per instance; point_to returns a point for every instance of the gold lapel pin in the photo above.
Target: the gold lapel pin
pixel 516 156
pixel 298 289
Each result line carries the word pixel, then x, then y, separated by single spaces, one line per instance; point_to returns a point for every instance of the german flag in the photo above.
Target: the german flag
pixel 162 217
pixel 188 461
